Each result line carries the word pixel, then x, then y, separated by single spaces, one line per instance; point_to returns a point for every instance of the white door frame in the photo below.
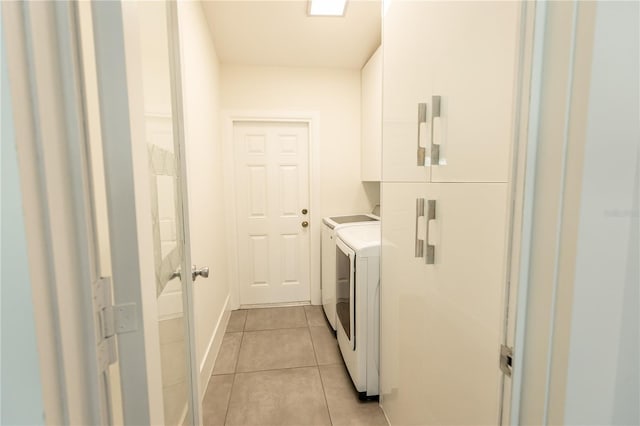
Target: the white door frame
pixel 312 119
pixel 524 176
pixel 47 104
pixel 49 122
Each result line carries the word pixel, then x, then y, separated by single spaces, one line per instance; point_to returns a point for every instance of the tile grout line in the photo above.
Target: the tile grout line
pixel 235 364
pixel 277 369
pixel 315 356
pixel 244 323
pixel 280 328
pixel 324 394
pixel 235 367
pixel 226 412
pixel 280 368
pixel 313 346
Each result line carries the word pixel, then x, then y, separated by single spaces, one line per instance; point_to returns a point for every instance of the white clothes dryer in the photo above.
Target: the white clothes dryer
pixel 358 304
pixel 330 225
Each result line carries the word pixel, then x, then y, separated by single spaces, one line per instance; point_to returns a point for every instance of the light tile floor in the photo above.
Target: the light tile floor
pixel 282 366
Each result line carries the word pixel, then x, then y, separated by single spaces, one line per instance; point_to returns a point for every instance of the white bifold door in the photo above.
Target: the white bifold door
pixel 272 202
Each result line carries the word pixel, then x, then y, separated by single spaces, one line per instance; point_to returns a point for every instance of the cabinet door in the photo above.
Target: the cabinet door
pixel 403 299
pixel 371 97
pixel 475 55
pixel 441 323
pixel 407 81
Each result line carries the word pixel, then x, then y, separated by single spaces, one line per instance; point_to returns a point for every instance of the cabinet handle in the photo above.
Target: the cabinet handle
pixel 435 130
pixel 422 119
pixel 419 215
pixel 430 258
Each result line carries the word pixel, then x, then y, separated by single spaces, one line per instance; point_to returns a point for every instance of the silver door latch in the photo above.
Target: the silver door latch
pixel 195 273
pixel 506 360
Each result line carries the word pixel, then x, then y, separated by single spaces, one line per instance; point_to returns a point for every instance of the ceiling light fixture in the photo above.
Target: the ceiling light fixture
pixel 327 7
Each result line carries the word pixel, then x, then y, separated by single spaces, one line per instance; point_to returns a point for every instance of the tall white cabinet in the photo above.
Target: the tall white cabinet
pixel 449 84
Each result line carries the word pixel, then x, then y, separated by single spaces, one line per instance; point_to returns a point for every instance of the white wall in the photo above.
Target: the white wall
pixel 21 389
pixel 335 94
pixel 201 92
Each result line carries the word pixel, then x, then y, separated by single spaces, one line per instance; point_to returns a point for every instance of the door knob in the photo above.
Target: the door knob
pixel 305 211
pixel 203 272
pixel 305 224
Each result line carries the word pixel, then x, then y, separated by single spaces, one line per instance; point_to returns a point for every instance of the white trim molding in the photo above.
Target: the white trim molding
pixel 312 118
pixel 213 348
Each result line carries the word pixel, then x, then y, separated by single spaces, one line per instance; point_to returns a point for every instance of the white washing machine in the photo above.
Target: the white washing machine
pixel 358 304
pixel 330 225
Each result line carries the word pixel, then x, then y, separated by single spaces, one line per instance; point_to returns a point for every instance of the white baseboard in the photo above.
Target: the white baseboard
pixel 206 366
pixel 275 305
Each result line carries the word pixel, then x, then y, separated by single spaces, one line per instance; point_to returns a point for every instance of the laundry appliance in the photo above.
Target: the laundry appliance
pixel 358 304
pixel 330 225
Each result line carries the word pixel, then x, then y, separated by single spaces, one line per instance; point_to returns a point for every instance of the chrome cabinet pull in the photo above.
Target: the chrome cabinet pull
pixel 422 119
pixel 419 215
pixel 431 248
pixel 435 141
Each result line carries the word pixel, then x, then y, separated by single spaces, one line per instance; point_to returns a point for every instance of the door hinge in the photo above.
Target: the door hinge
pixel 506 360
pixel 111 320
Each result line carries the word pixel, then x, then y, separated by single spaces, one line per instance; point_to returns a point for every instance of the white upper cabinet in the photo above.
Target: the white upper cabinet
pixel 407 82
pixel 461 56
pixel 475 60
pixel 371 100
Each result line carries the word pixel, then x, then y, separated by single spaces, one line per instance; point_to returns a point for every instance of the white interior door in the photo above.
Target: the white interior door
pixel 272 201
pixel 134 110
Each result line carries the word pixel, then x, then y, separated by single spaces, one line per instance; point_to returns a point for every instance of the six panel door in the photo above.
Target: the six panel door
pixel 272 189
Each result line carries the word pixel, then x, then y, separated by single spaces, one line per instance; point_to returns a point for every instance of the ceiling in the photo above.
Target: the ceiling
pixel 279 33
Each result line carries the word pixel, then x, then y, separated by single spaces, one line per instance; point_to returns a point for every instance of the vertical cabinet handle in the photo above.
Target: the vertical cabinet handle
pixel 422 121
pixel 435 130
pixel 431 248
pixel 419 216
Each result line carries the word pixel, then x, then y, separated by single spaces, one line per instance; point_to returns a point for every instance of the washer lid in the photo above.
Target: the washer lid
pixel 353 218
pixel 364 240
pixel 333 221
